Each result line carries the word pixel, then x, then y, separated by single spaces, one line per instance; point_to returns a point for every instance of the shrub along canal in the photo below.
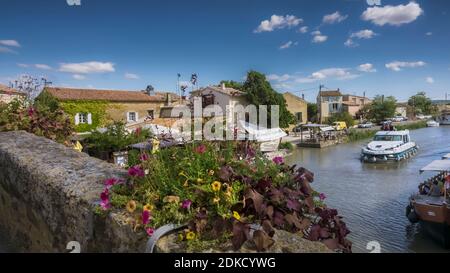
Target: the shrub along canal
pixel 372 198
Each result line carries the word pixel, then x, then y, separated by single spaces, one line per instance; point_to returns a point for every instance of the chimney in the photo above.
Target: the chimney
pixel 303 96
pixel 223 86
pixel 168 99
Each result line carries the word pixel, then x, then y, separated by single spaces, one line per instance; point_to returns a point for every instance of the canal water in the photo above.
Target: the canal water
pixel 372 198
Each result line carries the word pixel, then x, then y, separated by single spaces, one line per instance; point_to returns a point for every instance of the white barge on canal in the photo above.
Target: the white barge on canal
pixel 389 146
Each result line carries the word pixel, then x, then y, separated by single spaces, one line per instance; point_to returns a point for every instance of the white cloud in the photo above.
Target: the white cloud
pixel 429 33
pixel 336 17
pixel 79 77
pixel 281 78
pixel 393 15
pixel 303 29
pixel 131 76
pixel 11 43
pixel 288 45
pixel 398 66
pixel 318 37
pixel 6 50
pixel 87 67
pixel 368 67
pixel 42 66
pixel 362 34
pixel 23 65
pixel 278 22
pixel 430 80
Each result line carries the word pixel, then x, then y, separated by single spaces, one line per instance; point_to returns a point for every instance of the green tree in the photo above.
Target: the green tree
pixel 344 116
pixel 312 112
pixel 260 92
pixel 381 108
pixel 422 104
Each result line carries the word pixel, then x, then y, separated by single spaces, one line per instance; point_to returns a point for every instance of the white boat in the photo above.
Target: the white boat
pixel 269 139
pixel 432 123
pixel 444 118
pixel 389 146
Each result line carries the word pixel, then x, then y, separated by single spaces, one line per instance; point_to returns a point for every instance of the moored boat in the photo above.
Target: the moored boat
pixel 430 206
pixel 432 123
pixel 444 118
pixel 389 146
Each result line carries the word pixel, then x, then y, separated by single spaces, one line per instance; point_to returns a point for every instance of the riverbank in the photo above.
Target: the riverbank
pixel 361 134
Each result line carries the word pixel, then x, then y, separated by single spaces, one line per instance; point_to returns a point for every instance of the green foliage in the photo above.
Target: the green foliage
pixel 357 134
pixel 96 108
pixel 381 108
pixel 344 116
pixel 260 92
pixel 422 104
pixel 286 145
pixel 412 126
pixel 312 112
pixel 116 138
pixel 38 118
pixel 233 84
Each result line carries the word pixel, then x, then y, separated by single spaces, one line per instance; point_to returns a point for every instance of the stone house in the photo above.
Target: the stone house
pixel 353 104
pixel 92 108
pixel 297 106
pixel 329 103
pixel 8 94
pixel 221 96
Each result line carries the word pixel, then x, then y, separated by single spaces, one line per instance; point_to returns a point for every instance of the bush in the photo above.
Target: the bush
pixel 286 145
pixel 115 138
pixel 37 118
pixel 344 116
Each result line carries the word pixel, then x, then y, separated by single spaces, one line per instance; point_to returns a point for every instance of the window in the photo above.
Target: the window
pixel 83 118
pixel 335 107
pixel 151 114
pixel 132 117
pixel 299 116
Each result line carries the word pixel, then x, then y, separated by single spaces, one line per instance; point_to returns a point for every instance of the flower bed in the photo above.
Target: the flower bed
pixel 220 191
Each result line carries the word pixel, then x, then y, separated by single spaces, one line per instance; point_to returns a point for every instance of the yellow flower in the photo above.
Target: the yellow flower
pixel 180 237
pixel 211 173
pixel 199 180
pixel 171 199
pixel 236 215
pixel 155 145
pixel 216 185
pixel 190 236
pixel 216 200
pixel 148 207
pixel 131 206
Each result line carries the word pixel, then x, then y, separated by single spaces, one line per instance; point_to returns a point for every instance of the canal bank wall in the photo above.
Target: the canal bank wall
pixel 47 197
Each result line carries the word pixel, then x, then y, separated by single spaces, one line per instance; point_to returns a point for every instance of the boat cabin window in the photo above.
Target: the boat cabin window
pixel 405 139
pixel 388 138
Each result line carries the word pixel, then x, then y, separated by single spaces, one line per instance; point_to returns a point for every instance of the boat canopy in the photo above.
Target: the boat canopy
pixel 393 133
pixel 447 156
pixel 437 166
pixel 322 127
pixel 262 134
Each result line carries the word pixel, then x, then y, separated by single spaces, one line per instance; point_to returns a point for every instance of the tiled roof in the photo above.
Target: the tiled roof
pixel 9 90
pixel 67 94
pixel 226 91
pixel 335 93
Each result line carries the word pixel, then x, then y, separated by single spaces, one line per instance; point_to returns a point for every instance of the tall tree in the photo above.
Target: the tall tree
pixel 381 108
pixel 312 112
pixel 421 104
pixel 260 92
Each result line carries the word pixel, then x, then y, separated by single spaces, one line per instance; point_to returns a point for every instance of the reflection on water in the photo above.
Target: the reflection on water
pixel 372 197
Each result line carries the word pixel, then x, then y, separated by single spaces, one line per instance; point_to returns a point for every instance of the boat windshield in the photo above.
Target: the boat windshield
pixel 388 138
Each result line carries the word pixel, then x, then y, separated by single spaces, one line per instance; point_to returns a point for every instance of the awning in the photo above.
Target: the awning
pixel 437 166
pixel 447 156
pixel 262 134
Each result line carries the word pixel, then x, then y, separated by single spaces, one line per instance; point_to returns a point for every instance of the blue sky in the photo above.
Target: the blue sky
pixel 396 48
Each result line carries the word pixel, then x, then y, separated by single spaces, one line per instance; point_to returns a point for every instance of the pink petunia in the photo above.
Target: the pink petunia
pixel 104 196
pixel 322 196
pixel 111 182
pixel 136 171
pixel 200 149
pixel 145 217
pixel 150 231
pixel 186 204
pixel 105 205
pixel 143 157
pixel 278 160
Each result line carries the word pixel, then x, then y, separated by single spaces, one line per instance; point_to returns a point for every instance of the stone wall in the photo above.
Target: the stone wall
pixel 47 196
